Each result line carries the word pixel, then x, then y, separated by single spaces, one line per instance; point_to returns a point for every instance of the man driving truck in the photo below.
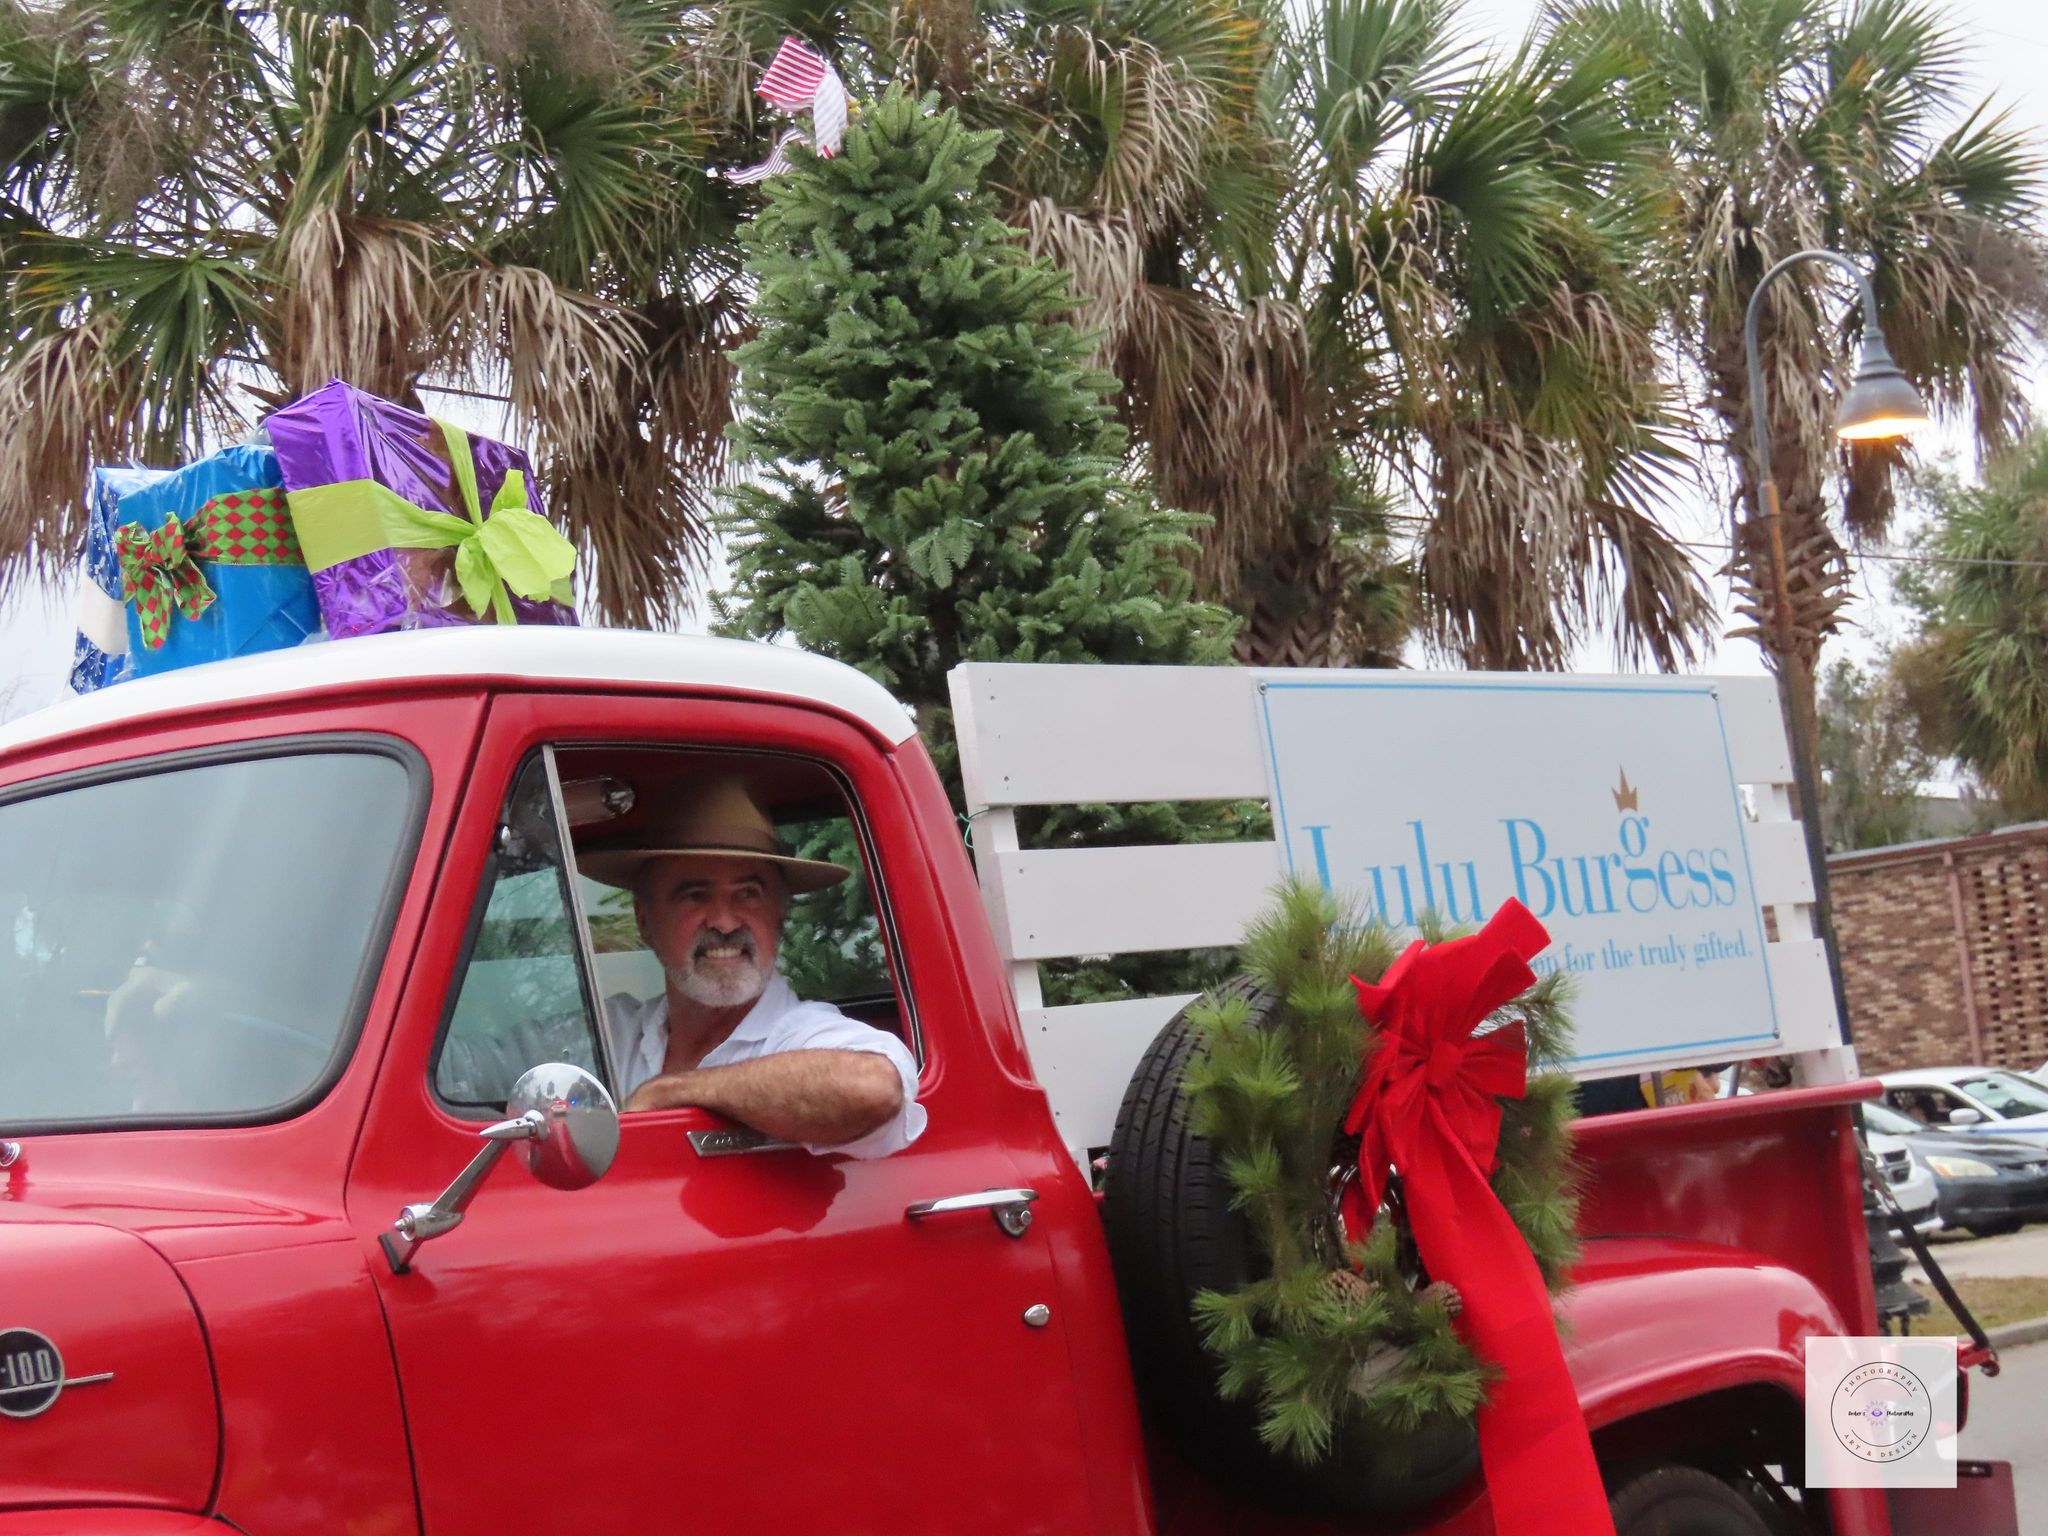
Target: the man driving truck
pixel 711 886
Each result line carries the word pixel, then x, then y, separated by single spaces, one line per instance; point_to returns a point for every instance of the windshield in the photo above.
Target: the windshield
pixel 1890 1122
pixel 2006 1093
pixel 190 944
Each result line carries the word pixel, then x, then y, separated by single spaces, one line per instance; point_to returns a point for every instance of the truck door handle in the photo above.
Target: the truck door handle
pixel 1011 1208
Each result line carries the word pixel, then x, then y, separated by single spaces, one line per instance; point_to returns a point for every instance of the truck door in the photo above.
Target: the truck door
pixel 710 1337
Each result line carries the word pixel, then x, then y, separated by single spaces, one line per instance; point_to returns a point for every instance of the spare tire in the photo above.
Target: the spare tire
pixel 1172 1233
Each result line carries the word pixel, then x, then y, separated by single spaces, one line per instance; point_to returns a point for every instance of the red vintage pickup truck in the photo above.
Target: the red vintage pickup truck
pixel 279 939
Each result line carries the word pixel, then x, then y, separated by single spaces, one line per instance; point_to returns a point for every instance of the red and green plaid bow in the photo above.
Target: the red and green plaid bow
pixel 160 567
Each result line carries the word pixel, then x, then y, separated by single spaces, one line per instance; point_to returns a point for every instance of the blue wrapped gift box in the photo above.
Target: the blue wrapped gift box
pixel 233 529
pixel 99 655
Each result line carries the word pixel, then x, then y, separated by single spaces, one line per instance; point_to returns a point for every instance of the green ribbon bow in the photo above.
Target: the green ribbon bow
pixel 511 549
pixel 160 573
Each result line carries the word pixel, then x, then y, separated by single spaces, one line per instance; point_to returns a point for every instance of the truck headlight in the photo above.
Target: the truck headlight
pixel 1961 1168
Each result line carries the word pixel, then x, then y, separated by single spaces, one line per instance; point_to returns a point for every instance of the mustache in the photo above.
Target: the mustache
pixel 710 938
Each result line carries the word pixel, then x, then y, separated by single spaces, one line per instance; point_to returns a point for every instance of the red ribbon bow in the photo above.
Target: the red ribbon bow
pixel 160 574
pixel 1430 1108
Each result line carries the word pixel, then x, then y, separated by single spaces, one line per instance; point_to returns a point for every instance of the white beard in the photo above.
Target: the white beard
pixel 736 982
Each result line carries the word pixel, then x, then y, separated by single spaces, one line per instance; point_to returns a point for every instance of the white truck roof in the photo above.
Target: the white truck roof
pixel 539 653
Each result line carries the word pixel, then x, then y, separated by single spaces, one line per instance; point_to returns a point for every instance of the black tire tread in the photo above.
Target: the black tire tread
pixel 1684 1501
pixel 1171 1232
pixel 1154 1241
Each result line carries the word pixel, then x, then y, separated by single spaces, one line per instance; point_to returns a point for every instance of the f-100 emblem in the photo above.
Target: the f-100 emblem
pixel 32 1374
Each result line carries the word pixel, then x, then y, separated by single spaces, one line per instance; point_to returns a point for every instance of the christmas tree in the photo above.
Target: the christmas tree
pixel 933 472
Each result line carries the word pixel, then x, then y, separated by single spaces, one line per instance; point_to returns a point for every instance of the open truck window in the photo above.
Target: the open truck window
pixel 833 944
pixel 193 944
pixel 521 999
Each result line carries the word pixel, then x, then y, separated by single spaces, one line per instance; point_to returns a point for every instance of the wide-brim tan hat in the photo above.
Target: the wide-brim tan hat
pixel 714 818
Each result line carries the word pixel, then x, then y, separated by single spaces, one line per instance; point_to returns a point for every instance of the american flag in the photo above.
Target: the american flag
pixel 793 76
pixel 798 78
pixel 828 114
pixel 777 161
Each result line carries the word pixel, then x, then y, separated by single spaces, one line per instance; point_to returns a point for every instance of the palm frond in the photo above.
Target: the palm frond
pixel 1102 254
pixel 1220 398
pixel 1500 536
pixel 1962 274
pixel 579 38
pixel 549 346
pixel 358 303
pixel 1154 116
pixel 639 494
pixel 64 403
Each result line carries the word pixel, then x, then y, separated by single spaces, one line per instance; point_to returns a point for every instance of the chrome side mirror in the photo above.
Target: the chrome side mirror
pixel 1966 1117
pixel 579 1125
pixel 568 1129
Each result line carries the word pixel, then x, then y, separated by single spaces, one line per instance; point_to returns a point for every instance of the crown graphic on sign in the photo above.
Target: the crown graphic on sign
pixel 1625 796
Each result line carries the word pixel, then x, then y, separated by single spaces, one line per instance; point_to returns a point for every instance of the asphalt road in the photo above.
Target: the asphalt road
pixel 2006 1424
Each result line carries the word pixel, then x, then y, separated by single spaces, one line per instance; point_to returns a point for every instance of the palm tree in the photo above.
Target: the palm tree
pixel 208 209
pixel 1977 673
pixel 1481 252
pixel 1791 124
pixel 1410 284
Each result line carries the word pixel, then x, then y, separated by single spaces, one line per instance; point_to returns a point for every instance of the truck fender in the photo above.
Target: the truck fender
pixel 1692 1352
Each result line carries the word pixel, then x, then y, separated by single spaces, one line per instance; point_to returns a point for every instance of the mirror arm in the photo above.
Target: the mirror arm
pixel 417 1224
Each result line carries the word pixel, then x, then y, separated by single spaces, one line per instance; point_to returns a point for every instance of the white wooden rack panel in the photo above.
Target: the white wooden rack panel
pixel 1037 735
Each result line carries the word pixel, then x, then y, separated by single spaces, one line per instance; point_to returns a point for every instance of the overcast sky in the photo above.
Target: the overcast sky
pixel 2009 45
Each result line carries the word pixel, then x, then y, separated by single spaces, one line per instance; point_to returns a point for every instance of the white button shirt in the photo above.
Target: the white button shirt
pixel 778 1021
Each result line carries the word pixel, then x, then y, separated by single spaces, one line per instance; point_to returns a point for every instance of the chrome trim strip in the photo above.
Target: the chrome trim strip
pixel 68 1381
pixel 975 1202
pixel 737 1141
pixel 586 955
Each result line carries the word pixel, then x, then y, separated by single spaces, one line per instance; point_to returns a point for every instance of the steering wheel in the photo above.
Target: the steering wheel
pixel 166 1022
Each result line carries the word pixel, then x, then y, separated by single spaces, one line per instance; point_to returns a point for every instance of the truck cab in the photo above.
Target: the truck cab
pixel 279 938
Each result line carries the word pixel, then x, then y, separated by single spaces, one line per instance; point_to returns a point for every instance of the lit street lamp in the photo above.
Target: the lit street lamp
pixel 1881 403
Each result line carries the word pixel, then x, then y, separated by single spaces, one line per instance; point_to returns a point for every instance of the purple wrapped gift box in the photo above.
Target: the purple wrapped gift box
pixel 339 436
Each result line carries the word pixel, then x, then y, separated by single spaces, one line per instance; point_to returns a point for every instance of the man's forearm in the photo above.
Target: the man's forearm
pixel 825 1097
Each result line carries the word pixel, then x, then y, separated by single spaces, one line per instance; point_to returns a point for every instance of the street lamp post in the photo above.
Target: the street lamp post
pixel 1880 403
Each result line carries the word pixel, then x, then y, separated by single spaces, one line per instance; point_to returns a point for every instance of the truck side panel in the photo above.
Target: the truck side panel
pixel 313 1436
pixel 1770 1174
pixel 1119 1488
pixel 1770 1180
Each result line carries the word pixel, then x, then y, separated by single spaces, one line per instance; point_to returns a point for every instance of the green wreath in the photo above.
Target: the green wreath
pixel 1340 1338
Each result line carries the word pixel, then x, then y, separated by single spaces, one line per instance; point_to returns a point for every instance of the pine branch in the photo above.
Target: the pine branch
pixel 1334 1341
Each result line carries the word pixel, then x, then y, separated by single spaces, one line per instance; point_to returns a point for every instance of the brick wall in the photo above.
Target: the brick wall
pixel 1945 950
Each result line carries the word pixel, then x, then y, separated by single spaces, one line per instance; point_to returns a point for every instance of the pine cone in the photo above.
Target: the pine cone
pixel 1445 1292
pixel 1348 1286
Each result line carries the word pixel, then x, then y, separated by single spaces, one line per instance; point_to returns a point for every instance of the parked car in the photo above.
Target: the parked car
pixel 1912 1182
pixel 1978 1101
pixel 1984 1184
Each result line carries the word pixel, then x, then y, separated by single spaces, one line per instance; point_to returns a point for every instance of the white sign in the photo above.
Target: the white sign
pixel 1609 808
